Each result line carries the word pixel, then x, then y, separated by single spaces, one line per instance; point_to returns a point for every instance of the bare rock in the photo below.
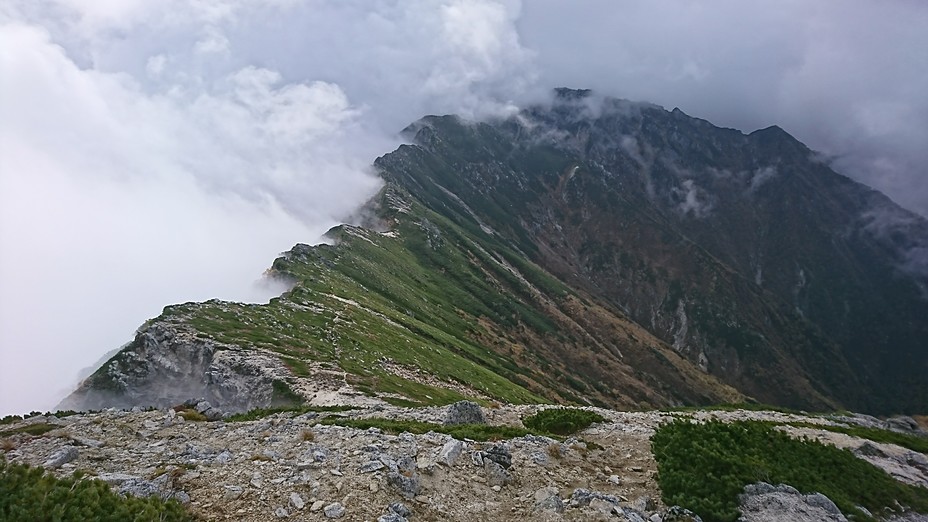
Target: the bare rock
pixel 450 452
pixel 465 412
pixel 334 510
pixel 61 457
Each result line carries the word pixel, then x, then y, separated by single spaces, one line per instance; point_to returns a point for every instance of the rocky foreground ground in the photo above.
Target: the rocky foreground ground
pixel 290 466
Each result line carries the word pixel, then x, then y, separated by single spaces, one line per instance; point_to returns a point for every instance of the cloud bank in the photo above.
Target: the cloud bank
pixel 159 152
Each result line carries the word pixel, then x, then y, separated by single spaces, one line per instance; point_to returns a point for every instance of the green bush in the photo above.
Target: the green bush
pixel 561 421
pixel 31 494
pixel 703 467
pixel 479 432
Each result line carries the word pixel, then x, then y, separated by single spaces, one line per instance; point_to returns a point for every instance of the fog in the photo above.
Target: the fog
pixel 161 152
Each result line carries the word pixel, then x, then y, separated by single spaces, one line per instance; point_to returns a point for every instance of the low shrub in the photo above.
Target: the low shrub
pixel 704 467
pixel 260 413
pixel 561 421
pixel 31 494
pixel 479 432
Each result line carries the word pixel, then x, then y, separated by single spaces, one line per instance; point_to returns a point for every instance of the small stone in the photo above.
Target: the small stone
pixel 281 512
pixel 374 487
pixel 317 505
pixel 614 479
pixel 496 474
pixel 497 488
pixel 116 479
pixel 257 480
pixel 296 500
pixel 548 499
pixel 232 492
pixel 603 506
pixel 391 517
pixel 371 466
pixel 400 509
pixel 335 472
pixel 477 458
pixel 450 452
pixel 409 487
pixel 334 510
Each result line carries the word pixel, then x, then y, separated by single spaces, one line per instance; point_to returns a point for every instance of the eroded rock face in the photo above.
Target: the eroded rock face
pixel 166 365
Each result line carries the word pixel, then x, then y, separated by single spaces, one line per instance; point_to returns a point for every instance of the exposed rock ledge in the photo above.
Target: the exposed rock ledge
pixel 165 365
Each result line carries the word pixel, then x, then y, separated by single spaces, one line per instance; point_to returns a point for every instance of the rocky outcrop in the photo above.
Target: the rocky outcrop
pixel 763 502
pixel 166 365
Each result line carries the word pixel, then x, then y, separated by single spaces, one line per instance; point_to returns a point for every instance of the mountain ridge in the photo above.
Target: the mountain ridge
pixel 592 251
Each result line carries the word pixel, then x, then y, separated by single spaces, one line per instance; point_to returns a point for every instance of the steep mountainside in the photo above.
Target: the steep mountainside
pixel 423 313
pixel 745 252
pixel 590 251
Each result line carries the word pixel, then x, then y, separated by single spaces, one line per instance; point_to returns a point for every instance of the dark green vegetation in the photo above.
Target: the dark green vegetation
pixel 561 421
pixel 260 413
pixel 479 432
pixel 32 495
pixel 10 419
pixel 30 429
pixel 703 467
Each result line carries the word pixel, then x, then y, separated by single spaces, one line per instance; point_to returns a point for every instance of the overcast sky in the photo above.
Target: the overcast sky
pixel 160 152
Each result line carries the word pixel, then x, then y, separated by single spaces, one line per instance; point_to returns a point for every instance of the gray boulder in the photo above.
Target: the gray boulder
pixel 465 412
pixel 61 457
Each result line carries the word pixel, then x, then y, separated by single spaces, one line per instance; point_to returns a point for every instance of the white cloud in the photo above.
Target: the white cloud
pixel 154 152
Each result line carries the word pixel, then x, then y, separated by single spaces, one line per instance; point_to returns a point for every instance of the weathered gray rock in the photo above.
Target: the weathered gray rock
pixel 499 453
pixel 61 457
pixel 232 492
pixel 371 466
pixel 281 512
pixel 334 510
pixel 146 488
pixel 450 452
pixel 679 514
pixel 400 509
pixel 165 365
pixel 465 412
pixel 496 474
pixel 548 499
pixel 903 423
pixel 786 503
pixel 408 486
pixel 116 479
pixel 296 501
